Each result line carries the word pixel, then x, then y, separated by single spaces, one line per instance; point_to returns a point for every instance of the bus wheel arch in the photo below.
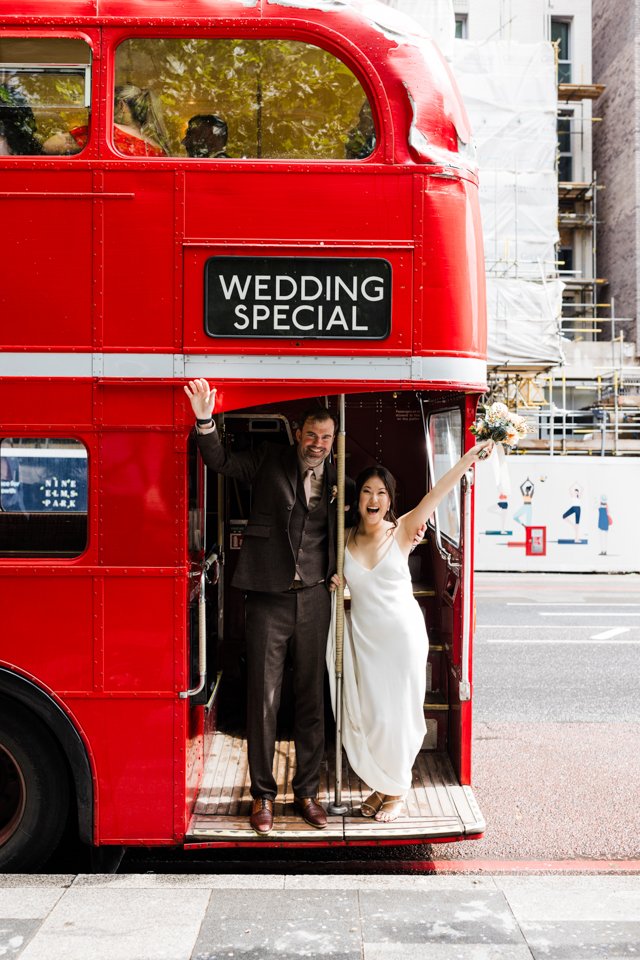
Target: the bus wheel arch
pixel 40 749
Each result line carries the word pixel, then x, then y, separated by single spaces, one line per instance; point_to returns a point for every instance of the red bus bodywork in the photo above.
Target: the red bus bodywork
pixel 101 305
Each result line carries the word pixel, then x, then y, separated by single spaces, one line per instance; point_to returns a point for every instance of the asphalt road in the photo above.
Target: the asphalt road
pixel 556 718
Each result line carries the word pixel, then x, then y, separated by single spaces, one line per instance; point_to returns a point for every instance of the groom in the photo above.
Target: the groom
pixel 286 561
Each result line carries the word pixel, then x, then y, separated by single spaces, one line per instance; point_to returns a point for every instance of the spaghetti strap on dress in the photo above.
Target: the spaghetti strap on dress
pixel 384 674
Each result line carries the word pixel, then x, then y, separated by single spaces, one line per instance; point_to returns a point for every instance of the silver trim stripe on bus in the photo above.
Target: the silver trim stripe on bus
pixel 232 367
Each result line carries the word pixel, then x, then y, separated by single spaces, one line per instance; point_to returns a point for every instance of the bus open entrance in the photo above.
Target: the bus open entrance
pixel 418 436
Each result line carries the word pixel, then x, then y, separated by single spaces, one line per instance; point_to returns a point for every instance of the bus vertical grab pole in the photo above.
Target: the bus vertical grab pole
pixel 338 807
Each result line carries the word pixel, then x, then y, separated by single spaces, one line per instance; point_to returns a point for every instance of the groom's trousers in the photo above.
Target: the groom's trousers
pixel 294 622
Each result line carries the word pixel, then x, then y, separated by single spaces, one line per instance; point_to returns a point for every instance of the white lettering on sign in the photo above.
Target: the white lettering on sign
pixel 276 312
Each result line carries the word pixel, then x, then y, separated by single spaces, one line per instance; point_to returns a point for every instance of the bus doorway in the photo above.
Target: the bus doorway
pixel 418 436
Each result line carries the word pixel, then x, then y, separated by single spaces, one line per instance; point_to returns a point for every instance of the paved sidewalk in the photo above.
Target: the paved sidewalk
pixel 164 917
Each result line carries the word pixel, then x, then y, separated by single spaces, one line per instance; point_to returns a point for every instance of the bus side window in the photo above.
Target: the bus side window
pixel 45 95
pixel 445 429
pixel 43 497
pixel 245 99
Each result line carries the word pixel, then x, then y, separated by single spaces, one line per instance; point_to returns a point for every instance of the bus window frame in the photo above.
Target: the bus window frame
pixel 91 36
pixel 456 545
pixel 320 36
pixel 91 513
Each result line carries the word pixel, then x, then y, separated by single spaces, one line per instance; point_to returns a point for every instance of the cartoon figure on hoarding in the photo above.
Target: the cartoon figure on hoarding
pixel 573 514
pixel 604 522
pixel 502 504
pixel 523 515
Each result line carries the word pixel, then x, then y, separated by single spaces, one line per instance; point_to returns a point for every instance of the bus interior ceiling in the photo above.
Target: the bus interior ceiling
pixel 384 428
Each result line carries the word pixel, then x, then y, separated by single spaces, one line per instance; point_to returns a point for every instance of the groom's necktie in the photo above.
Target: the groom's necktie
pixel 306 483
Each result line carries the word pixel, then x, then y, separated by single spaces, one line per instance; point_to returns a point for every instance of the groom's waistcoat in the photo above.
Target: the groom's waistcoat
pixel 309 535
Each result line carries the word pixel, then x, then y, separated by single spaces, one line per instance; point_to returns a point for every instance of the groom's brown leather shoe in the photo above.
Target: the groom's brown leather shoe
pixel 261 818
pixel 311 811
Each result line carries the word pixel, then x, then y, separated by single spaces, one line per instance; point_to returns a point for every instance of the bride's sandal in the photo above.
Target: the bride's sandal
pixel 390 809
pixel 370 806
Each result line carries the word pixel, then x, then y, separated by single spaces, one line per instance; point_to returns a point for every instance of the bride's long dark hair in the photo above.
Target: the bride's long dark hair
pixel 390 486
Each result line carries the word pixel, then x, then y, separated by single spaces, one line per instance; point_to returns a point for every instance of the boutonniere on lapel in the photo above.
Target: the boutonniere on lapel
pixel 334 493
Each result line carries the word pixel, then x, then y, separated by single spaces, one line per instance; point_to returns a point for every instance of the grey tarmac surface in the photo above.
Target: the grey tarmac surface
pixel 556 764
pixel 204 917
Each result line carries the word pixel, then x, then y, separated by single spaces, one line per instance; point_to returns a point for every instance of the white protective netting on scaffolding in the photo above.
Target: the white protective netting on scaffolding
pixel 510 93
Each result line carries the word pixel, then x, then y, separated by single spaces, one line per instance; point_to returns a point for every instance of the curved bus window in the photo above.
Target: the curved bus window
pixel 43 497
pixel 253 99
pixel 445 430
pixel 45 96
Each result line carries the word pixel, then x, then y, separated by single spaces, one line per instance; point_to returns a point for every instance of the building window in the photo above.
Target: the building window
pixel 45 95
pixel 462 24
pixel 240 99
pixel 560 35
pixel 43 497
pixel 565 151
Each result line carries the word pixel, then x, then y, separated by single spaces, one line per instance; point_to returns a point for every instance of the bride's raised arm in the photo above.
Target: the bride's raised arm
pixel 408 523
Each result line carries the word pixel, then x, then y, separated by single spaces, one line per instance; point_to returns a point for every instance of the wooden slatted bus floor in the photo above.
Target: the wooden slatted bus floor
pixel 436 806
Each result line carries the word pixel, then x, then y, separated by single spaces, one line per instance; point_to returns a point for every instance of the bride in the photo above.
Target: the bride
pixel 386 644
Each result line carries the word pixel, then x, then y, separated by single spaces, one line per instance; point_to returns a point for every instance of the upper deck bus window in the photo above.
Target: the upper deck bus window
pixel 252 99
pixel 43 497
pixel 445 429
pixel 45 95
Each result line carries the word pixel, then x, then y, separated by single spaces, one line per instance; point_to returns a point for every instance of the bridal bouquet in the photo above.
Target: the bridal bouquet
pixel 496 422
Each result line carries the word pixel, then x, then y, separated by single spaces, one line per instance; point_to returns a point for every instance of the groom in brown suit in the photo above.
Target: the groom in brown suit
pixel 286 561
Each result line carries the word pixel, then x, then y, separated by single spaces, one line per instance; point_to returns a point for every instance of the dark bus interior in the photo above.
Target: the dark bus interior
pixel 387 428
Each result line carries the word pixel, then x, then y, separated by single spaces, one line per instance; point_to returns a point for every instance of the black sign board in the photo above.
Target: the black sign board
pixel 320 298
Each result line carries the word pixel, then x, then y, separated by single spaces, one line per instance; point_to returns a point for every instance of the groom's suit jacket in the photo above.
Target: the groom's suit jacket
pixel 267 560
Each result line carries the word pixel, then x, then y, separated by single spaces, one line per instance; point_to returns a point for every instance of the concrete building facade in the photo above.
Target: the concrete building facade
pixel 616 64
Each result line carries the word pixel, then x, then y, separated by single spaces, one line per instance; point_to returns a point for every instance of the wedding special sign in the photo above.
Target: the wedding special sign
pixel 324 298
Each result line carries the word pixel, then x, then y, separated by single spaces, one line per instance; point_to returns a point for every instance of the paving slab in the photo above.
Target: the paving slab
pixel 446 951
pixel 278 940
pixel 356 882
pixel 28 903
pixel 273 906
pixel 14 935
pixel 112 924
pixel 572 898
pixel 151 881
pixel 36 880
pixel 597 940
pixel 443 916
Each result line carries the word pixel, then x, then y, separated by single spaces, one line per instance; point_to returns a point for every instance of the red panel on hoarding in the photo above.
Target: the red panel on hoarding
pixel 132 744
pixel 139 497
pixel 45 285
pixel 47 628
pixel 139 633
pixel 139 260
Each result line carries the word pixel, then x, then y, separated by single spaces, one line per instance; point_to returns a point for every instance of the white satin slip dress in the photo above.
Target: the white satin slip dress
pixel 384 672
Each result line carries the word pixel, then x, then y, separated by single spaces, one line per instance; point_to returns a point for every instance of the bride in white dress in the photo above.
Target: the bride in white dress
pixel 385 642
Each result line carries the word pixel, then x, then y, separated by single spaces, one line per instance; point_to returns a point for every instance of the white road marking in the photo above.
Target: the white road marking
pixel 559 640
pixel 615 632
pixel 533 626
pixel 568 603
pixel 589 613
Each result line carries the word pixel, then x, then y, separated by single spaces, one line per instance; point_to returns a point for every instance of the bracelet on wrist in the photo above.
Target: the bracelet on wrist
pixel 202 422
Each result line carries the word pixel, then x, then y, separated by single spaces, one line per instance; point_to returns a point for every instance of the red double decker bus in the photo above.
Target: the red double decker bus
pixel 279 199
